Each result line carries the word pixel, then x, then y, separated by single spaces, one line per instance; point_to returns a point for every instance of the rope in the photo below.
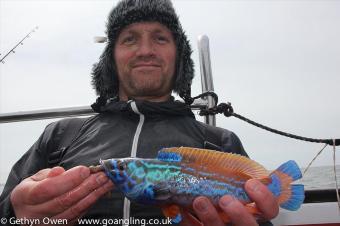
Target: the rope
pixel 228 111
pixel 317 155
pixel 334 168
pixel 335 177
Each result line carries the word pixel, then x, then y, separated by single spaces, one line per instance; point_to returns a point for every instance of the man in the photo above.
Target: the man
pixel 146 58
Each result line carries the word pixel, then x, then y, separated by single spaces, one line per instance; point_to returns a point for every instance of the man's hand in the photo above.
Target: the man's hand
pixel 236 211
pixel 59 194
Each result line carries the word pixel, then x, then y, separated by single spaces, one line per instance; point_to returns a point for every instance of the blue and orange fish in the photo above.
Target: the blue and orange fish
pixel 178 175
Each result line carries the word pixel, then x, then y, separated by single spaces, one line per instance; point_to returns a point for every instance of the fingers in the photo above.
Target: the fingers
pixel 21 192
pixel 238 214
pixel 40 175
pixel 65 201
pixel 264 199
pixel 58 193
pixel 79 208
pixel 51 187
pixel 260 194
pixel 206 212
pixel 55 171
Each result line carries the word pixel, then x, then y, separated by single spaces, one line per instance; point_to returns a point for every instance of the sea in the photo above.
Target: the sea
pixel 320 177
pixel 316 178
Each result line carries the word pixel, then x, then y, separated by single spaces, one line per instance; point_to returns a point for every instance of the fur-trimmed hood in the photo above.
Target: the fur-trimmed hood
pixel 104 74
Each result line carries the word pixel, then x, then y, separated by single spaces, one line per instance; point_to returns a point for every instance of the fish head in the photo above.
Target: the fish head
pixel 117 169
pixel 128 174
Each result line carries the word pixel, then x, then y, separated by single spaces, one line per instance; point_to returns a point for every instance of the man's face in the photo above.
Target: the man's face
pixel 145 57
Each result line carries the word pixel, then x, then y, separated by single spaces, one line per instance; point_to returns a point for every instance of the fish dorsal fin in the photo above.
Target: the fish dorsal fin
pixel 168 156
pixel 213 159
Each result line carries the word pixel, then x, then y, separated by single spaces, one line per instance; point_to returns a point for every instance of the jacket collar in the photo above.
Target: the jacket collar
pixel 147 108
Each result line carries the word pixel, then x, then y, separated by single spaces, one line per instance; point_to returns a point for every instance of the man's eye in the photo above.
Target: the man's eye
pixel 162 39
pixel 129 40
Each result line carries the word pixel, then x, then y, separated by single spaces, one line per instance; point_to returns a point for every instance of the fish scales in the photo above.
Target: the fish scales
pixel 214 185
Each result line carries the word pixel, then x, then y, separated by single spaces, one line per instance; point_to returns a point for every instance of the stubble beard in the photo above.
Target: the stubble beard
pixel 146 84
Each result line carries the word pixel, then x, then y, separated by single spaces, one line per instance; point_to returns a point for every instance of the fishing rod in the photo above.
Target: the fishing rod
pixel 19 43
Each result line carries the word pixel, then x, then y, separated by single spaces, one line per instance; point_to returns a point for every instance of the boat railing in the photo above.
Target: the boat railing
pixel 66 112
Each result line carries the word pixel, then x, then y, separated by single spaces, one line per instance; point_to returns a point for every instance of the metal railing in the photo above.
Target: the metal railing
pixel 64 112
pixel 45 114
pixel 206 75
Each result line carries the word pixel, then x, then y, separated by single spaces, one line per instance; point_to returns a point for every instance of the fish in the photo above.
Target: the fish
pixel 178 175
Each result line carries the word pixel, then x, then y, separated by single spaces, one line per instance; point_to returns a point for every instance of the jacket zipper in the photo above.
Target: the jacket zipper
pixel 126 210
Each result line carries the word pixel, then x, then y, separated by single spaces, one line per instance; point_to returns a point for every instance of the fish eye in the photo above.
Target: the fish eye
pixel 121 166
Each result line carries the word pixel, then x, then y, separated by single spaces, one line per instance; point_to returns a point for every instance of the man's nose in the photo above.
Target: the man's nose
pixel 146 48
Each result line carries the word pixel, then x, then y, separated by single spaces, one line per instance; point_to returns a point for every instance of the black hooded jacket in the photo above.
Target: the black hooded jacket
pixel 119 130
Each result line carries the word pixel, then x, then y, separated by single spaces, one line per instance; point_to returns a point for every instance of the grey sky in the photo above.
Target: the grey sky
pixel 277 62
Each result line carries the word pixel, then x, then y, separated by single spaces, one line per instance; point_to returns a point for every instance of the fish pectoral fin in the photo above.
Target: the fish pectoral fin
pixel 192 220
pixel 224 217
pixel 173 212
pixel 265 180
pixel 253 210
pixel 161 191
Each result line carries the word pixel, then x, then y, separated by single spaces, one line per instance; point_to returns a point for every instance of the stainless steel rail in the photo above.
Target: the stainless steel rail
pixel 206 75
pixel 45 114
pixel 63 113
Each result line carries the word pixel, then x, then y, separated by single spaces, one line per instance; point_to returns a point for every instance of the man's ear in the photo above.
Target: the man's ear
pixel 104 75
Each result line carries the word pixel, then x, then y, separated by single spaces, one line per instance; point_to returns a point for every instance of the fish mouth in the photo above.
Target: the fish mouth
pixel 106 165
pixel 98 168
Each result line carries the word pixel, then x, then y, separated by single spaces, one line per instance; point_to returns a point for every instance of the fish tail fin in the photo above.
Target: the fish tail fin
pixel 290 196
